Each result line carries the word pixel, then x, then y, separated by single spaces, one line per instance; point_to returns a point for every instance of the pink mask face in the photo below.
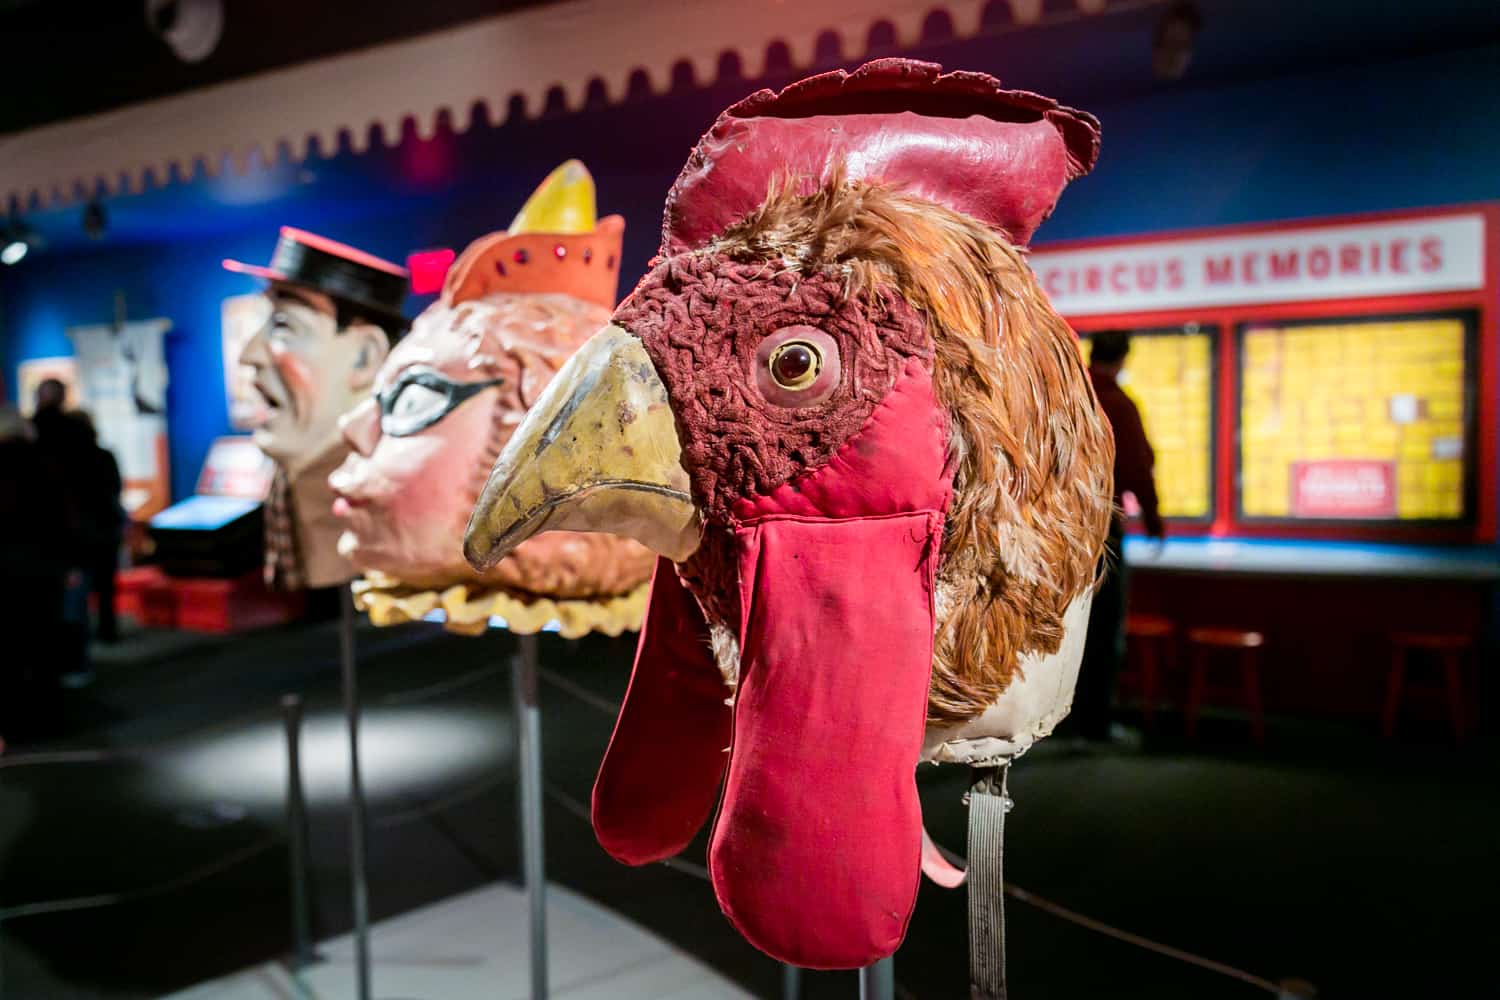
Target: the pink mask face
pixel 445 402
pixel 307 372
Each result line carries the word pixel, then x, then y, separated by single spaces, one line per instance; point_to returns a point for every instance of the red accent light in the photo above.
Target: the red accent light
pixel 428 269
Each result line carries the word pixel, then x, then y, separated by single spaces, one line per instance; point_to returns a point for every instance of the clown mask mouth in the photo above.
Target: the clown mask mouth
pixel 270 399
pixel 598 451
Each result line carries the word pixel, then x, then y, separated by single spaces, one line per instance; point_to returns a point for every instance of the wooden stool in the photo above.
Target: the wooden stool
pixel 1151 637
pixel 1449 648
pixel 1204 642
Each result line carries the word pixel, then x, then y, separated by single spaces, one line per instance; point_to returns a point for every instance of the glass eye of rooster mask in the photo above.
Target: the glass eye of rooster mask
pixel 866 448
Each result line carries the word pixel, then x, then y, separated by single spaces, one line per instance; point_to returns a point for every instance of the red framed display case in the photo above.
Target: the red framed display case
pixel 1342 292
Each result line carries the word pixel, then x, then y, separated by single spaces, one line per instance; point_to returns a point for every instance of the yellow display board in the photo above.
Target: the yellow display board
pixel 1169 375
pixel 1353 420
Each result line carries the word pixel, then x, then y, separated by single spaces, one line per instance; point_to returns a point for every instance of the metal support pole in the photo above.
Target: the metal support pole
pixel 791 983
pixel 296 834
pixel 529 735
pixel 989 801
pixel 357 822
pixel 878 981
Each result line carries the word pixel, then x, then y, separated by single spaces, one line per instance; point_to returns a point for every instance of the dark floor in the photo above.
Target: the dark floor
pixel 1366 869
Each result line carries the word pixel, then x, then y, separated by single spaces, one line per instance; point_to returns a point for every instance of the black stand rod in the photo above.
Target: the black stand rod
pixel 534 863
pixel 357 821
pixel 296 835
pixel 878 981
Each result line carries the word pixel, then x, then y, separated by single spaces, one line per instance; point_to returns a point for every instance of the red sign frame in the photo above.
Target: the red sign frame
pixel 1484 301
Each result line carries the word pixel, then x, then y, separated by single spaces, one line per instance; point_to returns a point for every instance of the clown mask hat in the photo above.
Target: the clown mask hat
pixel 866 446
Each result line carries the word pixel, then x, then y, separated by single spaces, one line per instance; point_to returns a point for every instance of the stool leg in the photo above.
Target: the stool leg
pixel 1148 683
pixel 1394 683
pixel 1453 679
pixel 1196 669
pixel 1252 698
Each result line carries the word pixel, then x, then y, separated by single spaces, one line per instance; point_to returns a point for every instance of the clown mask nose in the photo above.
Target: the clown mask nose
pixel 597 452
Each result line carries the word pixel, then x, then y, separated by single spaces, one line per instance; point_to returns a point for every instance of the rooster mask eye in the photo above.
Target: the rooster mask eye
pixel 797 366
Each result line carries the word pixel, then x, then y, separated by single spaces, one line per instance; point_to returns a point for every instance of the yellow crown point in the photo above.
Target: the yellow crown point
pixel 563 203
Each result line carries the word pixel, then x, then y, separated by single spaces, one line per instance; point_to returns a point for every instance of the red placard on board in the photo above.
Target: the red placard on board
pixel 235 467
pixel 1344 489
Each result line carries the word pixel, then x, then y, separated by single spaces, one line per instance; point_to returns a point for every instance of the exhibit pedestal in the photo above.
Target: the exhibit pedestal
pixel 203 604
pixel 359 886
pixel 533 848
pixel 878 981
pixel 989 801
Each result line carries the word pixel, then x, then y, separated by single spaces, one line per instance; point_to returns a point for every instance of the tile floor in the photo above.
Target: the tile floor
pixel 475 946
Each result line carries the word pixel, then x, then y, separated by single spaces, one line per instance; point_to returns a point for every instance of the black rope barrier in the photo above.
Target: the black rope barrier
pixel 437 690
pixel 192 877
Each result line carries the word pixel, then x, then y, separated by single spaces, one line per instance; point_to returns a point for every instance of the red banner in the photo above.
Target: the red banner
pixel 1344 489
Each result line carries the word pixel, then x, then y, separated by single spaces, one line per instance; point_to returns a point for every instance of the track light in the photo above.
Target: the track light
pixel 1172 45
pixel 95 220
pixel 191 28
pixel 15 243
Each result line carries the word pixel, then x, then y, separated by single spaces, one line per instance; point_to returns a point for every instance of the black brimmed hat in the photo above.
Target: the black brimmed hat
pixel 335 269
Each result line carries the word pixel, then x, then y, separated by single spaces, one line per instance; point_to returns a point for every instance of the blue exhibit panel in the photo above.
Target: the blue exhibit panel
pixel 1477 563
pixel 203 513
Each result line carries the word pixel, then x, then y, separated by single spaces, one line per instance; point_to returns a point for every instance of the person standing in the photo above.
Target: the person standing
pixel 1104 647
pixel 96 483
pixel 33 570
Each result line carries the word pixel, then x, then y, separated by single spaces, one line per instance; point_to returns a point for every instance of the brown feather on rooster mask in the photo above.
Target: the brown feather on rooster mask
pixel 866 447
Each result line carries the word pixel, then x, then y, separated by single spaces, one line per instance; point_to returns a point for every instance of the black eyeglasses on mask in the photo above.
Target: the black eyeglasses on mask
pixel 420 397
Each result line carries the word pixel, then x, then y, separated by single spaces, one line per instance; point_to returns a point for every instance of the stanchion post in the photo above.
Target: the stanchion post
pixel 878 981
pixel 791 983
pixel 359 886
pixel 296 833
pixel 529 735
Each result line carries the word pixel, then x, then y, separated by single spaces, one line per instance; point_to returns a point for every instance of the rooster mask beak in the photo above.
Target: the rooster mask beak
pixel 597 452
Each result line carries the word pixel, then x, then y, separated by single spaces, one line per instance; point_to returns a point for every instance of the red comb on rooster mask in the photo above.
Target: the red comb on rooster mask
pixel 800 471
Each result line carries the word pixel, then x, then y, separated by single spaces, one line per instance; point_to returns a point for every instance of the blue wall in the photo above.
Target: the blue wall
pixel 1390 135
pixel 1396 134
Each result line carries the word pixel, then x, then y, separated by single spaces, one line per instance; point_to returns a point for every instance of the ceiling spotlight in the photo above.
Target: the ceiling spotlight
pixel 95 220
pixel 15 244
pixel 191 28
pixel 1172 45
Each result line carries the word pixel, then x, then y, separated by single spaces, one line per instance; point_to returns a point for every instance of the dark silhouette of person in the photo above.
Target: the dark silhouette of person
pixel 91 484
pixel 95 481
pixel 33 574
pixel 49 414
pixel 1104 647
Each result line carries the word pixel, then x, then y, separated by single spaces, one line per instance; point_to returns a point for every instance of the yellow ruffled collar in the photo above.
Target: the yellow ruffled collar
pixel 468 608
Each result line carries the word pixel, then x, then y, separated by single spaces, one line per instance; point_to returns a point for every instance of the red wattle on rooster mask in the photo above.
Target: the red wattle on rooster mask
pixel 774 410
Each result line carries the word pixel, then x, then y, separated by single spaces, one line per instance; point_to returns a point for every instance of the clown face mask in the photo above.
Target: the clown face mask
pixel 848 416
pixel 515 307
pixel 334 311
pixel 308 372
pixel 445 403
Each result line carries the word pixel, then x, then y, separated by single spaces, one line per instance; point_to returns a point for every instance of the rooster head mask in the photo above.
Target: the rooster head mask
pixel 866 449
